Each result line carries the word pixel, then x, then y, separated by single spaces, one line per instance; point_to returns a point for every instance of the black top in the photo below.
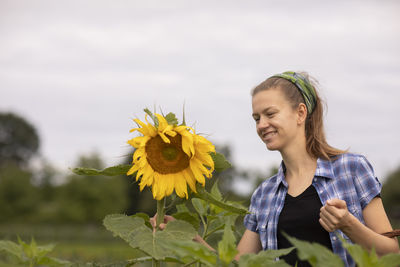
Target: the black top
pixel 299 218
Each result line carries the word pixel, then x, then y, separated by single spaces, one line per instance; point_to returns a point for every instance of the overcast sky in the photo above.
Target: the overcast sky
pixel 81 70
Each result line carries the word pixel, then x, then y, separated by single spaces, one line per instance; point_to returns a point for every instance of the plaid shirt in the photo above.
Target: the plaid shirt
pixel 349 177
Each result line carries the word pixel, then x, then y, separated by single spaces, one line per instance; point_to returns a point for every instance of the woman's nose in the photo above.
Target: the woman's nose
pixel 263 122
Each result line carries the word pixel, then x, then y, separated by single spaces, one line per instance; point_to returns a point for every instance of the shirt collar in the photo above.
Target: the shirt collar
pixel 324 169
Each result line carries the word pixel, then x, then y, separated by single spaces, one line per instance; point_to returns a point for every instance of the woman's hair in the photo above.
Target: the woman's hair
pixel 316 143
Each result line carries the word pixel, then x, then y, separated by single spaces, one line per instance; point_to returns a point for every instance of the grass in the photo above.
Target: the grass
pixel 75 243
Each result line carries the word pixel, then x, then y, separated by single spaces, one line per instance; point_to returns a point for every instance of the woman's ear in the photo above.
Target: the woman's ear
pixel 301 113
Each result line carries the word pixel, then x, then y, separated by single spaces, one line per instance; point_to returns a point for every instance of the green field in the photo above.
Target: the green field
pixel 76 243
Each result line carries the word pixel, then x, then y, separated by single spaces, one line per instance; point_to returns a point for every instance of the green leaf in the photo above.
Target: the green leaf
pixel 215 225
pixel 265 258
pixel 182 208
pixel 11 248
pixel 200 206
pixel 145 217
pixel 362 257
pixel 390 260
pixel 50 261
pixel 171 119
pixel 215 191
pixel 317 255
pixel 188 217
pixel 189 251
pixel 134 231
pixel 110 171
pixel 204 195
pixel 220 162
pixel 227 246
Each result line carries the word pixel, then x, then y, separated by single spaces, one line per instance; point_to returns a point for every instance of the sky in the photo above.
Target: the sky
pixel 80 71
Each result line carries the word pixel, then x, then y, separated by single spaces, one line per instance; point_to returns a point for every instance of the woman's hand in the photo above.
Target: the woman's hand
pixel 167 218
pixel 335 215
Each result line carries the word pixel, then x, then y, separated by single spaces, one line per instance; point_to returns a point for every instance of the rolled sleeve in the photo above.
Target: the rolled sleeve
pixel 250 220
pixel 367 185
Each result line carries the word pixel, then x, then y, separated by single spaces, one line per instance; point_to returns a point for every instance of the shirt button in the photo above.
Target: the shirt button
pixel 315 179
pixel 334 238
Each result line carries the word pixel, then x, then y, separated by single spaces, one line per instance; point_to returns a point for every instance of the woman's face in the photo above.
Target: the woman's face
pixel 276 120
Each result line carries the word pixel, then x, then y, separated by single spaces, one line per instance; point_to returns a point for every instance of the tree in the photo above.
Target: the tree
pixel 391 194
pixel 90 198
pixel 18 197
pixel 19 140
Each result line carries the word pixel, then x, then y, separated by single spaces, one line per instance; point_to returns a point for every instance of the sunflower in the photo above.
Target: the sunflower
pixel 170 157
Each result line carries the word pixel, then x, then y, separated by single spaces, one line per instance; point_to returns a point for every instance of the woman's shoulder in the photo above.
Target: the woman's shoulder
pixel 350 162
pixel 348 157
pixel 266 185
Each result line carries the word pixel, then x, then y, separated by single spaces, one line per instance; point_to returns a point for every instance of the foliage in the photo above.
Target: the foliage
pixel 17 195
pixel 19 140
pixel 31 254
pixel 391 196
pixel 316 254
pixel 363 258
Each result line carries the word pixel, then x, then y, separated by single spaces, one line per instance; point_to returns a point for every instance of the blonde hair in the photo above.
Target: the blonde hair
pixel 316 143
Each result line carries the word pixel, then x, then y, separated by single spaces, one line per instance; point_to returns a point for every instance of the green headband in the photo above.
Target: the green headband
pixel 304 85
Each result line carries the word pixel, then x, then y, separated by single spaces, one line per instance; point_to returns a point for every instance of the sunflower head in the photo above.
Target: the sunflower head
pixel 169 157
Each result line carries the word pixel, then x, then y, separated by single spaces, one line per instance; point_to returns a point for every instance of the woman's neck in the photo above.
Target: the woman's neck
pixel 299 164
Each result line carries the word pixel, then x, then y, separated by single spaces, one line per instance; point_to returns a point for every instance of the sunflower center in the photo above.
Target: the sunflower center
pixel 169 152
pixel 166 158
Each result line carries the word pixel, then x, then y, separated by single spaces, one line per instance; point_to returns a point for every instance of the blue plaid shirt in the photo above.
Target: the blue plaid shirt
pixel 349 177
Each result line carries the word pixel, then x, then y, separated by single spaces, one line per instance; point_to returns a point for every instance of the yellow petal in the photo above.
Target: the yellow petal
pixel 197 173
pixel 148 175
pixel 180 186
pixel 191 181
pixel 201 167
pixel 206 159
pixel 132 170
pixel 187 140
pixel 156 187
pixel 164 138
pixel 162 122
pixel 169 187
pixel 139 153
pixel 171 133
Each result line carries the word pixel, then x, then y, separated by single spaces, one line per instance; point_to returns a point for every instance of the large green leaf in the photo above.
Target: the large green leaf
pixel 265 258
pixel 317 255
pixel 390 260
pixel 110 171
pixel 204 195
pixel 220 162
pixel 362 257
pixel 227 246
pixel 134 231
pixel 189 251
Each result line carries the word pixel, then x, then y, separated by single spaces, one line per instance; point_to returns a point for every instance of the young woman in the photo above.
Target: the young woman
pixel 319 191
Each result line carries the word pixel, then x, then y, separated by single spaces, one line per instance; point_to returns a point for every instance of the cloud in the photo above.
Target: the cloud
pixel 82 70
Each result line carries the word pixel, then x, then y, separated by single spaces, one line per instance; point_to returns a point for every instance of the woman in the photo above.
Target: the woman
pixel 319 191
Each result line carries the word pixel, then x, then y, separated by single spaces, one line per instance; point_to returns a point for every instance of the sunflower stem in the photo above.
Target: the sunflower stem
pixel 155 263
pixel 160 212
